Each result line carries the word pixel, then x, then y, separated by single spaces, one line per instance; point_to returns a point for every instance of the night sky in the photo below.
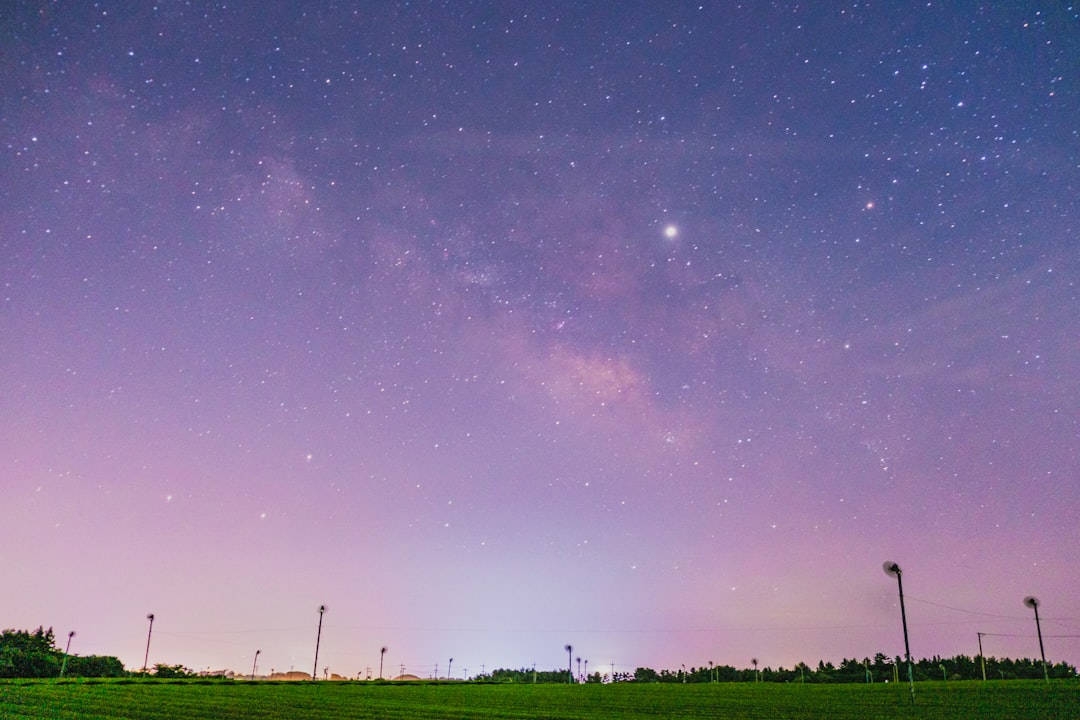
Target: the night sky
pixel 652 328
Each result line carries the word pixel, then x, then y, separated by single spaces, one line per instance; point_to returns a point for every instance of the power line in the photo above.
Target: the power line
pixel 969 612
pixel 1014 635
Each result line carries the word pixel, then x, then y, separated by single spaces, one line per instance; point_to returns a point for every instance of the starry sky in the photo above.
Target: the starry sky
pixel 652 328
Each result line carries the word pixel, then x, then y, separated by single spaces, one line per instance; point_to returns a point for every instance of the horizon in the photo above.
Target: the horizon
pixel 604 670
pixel 1016 640
pixel 654 330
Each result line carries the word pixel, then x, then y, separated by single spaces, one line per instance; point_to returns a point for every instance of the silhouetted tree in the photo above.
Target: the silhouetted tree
pixel 646 675
pixel 94 666
pixel 172 671
pixel 29 654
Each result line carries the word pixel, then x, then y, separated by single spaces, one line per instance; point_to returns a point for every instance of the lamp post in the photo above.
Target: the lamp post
pixel 382 654
pixel 893 570
pixel 67 651
pixel 150 632
pixel 448 666
pixel 1033 603
pixel 254 663
pixel 318 637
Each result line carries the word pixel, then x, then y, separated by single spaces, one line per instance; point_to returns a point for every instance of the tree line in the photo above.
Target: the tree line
pixel 26 654
pixel 34 654
pixel 880 668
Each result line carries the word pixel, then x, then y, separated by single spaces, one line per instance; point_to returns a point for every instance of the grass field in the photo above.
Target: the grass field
pixel 142 700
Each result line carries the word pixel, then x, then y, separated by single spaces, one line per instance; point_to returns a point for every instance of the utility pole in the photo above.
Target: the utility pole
pixel 67 651
pixel 982 659
pixel 1033 603
pixel 893 569
pixel 318 637
pixel 150 632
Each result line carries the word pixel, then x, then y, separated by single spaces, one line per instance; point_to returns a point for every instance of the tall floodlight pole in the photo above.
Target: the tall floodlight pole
pixel 982 658
pixel 318 637
pixel 382 654
pixel 569 663
pixel 1033 603
pixel 893 570
pixel 448 666
pixel 67 651
pixel 146 658
pixel 255 663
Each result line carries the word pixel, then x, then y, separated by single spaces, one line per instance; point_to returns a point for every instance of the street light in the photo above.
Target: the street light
pixel 569 662
pixel 67 651
pixel 318 637
pixel 254 663
pixel 1033 603
pixel 893 570
pixel 146 657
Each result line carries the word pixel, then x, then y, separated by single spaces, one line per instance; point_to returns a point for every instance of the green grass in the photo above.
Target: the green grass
pixel 90 700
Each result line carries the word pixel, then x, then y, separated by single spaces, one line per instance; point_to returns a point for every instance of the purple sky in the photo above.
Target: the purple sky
pixel 654 330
